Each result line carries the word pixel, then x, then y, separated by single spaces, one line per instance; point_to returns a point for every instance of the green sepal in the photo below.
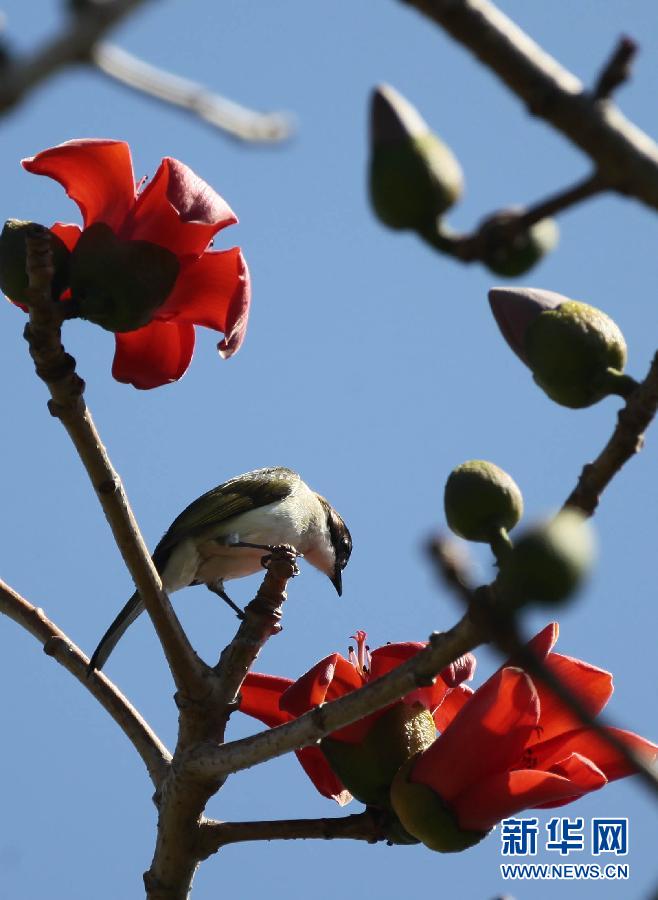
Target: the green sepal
pixel 570 351
pixel 118 284
pixel 367 768
pixel 13 258
pixel 479 499
pixel 548 562
pixel 424 815
pixel 413 181
pixel 519 254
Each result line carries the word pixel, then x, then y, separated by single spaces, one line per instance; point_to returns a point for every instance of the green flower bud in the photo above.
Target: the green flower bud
pixel 367 769
pixel 548 562
pixel 13 258
pixel 480 499
pixel 414 176
pixel 572 350
pixel 424 815
pixel 120 284
pixel 512 256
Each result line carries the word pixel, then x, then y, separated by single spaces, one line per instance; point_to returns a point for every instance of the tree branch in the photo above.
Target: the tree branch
pixel 358 827
pixel 625 158
pixel 72 45
pixel 617 70
pixel 626 440
pixel 154 754
pixel 57 369
pixel 503 226
pixel 210 761
pixel 183 797
pixel 237 121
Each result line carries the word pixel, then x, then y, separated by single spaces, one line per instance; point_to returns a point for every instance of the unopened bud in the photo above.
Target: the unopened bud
pixel 480 499
pixel 512 254
pixel 549 562
pixel 13 260
pixel 576 352
pixel 414 176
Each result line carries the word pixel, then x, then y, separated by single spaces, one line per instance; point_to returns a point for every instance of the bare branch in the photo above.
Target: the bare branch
pixel 617 70
pixel 625 158
pixel 359 827
pixel 72 45
pixel 211 761
pixel 627 440
pixel 154 754
pixel 237 121
pixel 57 369
pixel 261 620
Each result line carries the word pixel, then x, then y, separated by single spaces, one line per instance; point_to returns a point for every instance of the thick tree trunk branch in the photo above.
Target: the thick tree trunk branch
pixel 183 797
pixel 154 754
pixel 625 158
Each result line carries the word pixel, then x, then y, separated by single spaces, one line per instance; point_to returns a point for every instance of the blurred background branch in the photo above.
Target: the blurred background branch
pixel 80 42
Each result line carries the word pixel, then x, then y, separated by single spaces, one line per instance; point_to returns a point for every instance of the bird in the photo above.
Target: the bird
pixel 222 534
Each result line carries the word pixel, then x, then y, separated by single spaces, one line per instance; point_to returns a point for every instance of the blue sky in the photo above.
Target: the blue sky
pixel 371 366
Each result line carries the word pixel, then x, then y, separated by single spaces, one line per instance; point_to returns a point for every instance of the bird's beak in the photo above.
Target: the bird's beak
pixel 337 580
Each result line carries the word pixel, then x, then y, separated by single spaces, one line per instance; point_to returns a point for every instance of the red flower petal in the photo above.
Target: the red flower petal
pixel 69 234
pixel 213 291
pixel 318 770
pixel 452 703
pixel 487 736
pixel 260 696
pixel 96 174
pixel 592 686
pixel 541 644
pixel 178 210
pixel 587 743
pixel 390 656
pixel 311 689
pixel 154 355
pixel 486 802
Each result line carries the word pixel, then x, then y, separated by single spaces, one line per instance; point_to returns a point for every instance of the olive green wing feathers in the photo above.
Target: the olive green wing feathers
pixel 234 497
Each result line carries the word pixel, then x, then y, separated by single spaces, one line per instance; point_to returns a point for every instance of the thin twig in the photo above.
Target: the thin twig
pixel 624 156
pixel 626 440
pixel 236 120
pixel 261 620
pixel 57 369
pixel 153 752
pixel 502 227
pixel 358 827
pixel 617 70
pixel 211 761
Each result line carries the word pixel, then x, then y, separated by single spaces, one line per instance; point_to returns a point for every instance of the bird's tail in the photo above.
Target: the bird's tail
pixel 111 637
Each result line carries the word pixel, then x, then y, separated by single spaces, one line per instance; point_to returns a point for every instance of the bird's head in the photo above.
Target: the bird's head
pixel 332 552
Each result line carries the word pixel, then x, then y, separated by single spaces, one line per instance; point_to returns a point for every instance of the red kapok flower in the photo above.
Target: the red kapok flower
pixel 178 213
pixel 276 700
pixel 512 746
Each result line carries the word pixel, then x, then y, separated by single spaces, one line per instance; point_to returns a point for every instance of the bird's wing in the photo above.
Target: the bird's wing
pixel 239 495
